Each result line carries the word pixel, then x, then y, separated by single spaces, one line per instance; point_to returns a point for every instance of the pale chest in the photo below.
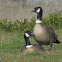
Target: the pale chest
pixel 40 33
pixel 38 29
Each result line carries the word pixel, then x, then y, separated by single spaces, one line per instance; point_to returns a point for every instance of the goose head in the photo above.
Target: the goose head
pixel 39 11
pixel 27 34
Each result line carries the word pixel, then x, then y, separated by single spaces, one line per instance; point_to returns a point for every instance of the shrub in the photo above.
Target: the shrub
pixel 54 20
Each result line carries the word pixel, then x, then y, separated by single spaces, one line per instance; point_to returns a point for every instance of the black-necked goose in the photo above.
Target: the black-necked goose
pixel 30 47
pixel 44 35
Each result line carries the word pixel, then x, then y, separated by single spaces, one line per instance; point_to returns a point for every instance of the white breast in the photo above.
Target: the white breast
pixel 38 21
pixel 29 46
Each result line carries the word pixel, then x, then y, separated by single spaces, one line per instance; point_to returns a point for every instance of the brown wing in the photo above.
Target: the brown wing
pixel 51 32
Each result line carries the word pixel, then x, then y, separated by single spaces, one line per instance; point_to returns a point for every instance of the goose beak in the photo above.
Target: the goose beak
pixel 32 34
pixel 33 11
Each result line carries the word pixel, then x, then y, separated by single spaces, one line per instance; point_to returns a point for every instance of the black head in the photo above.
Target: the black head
pixel 37 10
pixel 28 34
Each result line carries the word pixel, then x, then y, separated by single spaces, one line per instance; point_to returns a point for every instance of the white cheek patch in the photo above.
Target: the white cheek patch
pixel 29 46
pixel 27 35
pixel 38 10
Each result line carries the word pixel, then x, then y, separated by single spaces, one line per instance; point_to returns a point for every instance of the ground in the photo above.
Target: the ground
pixel 12 42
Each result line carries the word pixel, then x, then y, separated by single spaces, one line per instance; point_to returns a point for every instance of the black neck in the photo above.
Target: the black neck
pixel 39 15
pixel 27 40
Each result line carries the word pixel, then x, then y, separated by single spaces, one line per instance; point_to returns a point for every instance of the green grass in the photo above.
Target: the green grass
pixel 12 42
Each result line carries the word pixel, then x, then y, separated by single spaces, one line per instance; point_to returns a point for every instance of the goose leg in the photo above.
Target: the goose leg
pixel 43 50
pixel 50 46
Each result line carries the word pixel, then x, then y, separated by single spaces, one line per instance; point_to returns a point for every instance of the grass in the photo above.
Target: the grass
pixel 12 42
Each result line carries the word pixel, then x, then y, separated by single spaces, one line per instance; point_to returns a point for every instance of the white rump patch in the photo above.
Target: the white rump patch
pixel 27 35
pixel 38 21
pixel 29 46
pixel 38 10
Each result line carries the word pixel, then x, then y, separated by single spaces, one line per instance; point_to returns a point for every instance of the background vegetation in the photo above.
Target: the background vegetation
pixel 54 20
pixel 18 9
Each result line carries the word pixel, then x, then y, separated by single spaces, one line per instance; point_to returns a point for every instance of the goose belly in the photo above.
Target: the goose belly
pixel 41 35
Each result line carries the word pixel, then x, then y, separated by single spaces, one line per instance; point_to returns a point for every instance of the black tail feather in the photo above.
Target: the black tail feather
pixel 57 42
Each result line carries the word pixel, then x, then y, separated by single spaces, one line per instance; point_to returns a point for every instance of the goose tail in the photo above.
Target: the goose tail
pixel 57 41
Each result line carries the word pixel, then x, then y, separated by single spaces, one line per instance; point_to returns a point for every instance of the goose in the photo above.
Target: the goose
pixel 44 35
pixel 28 48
